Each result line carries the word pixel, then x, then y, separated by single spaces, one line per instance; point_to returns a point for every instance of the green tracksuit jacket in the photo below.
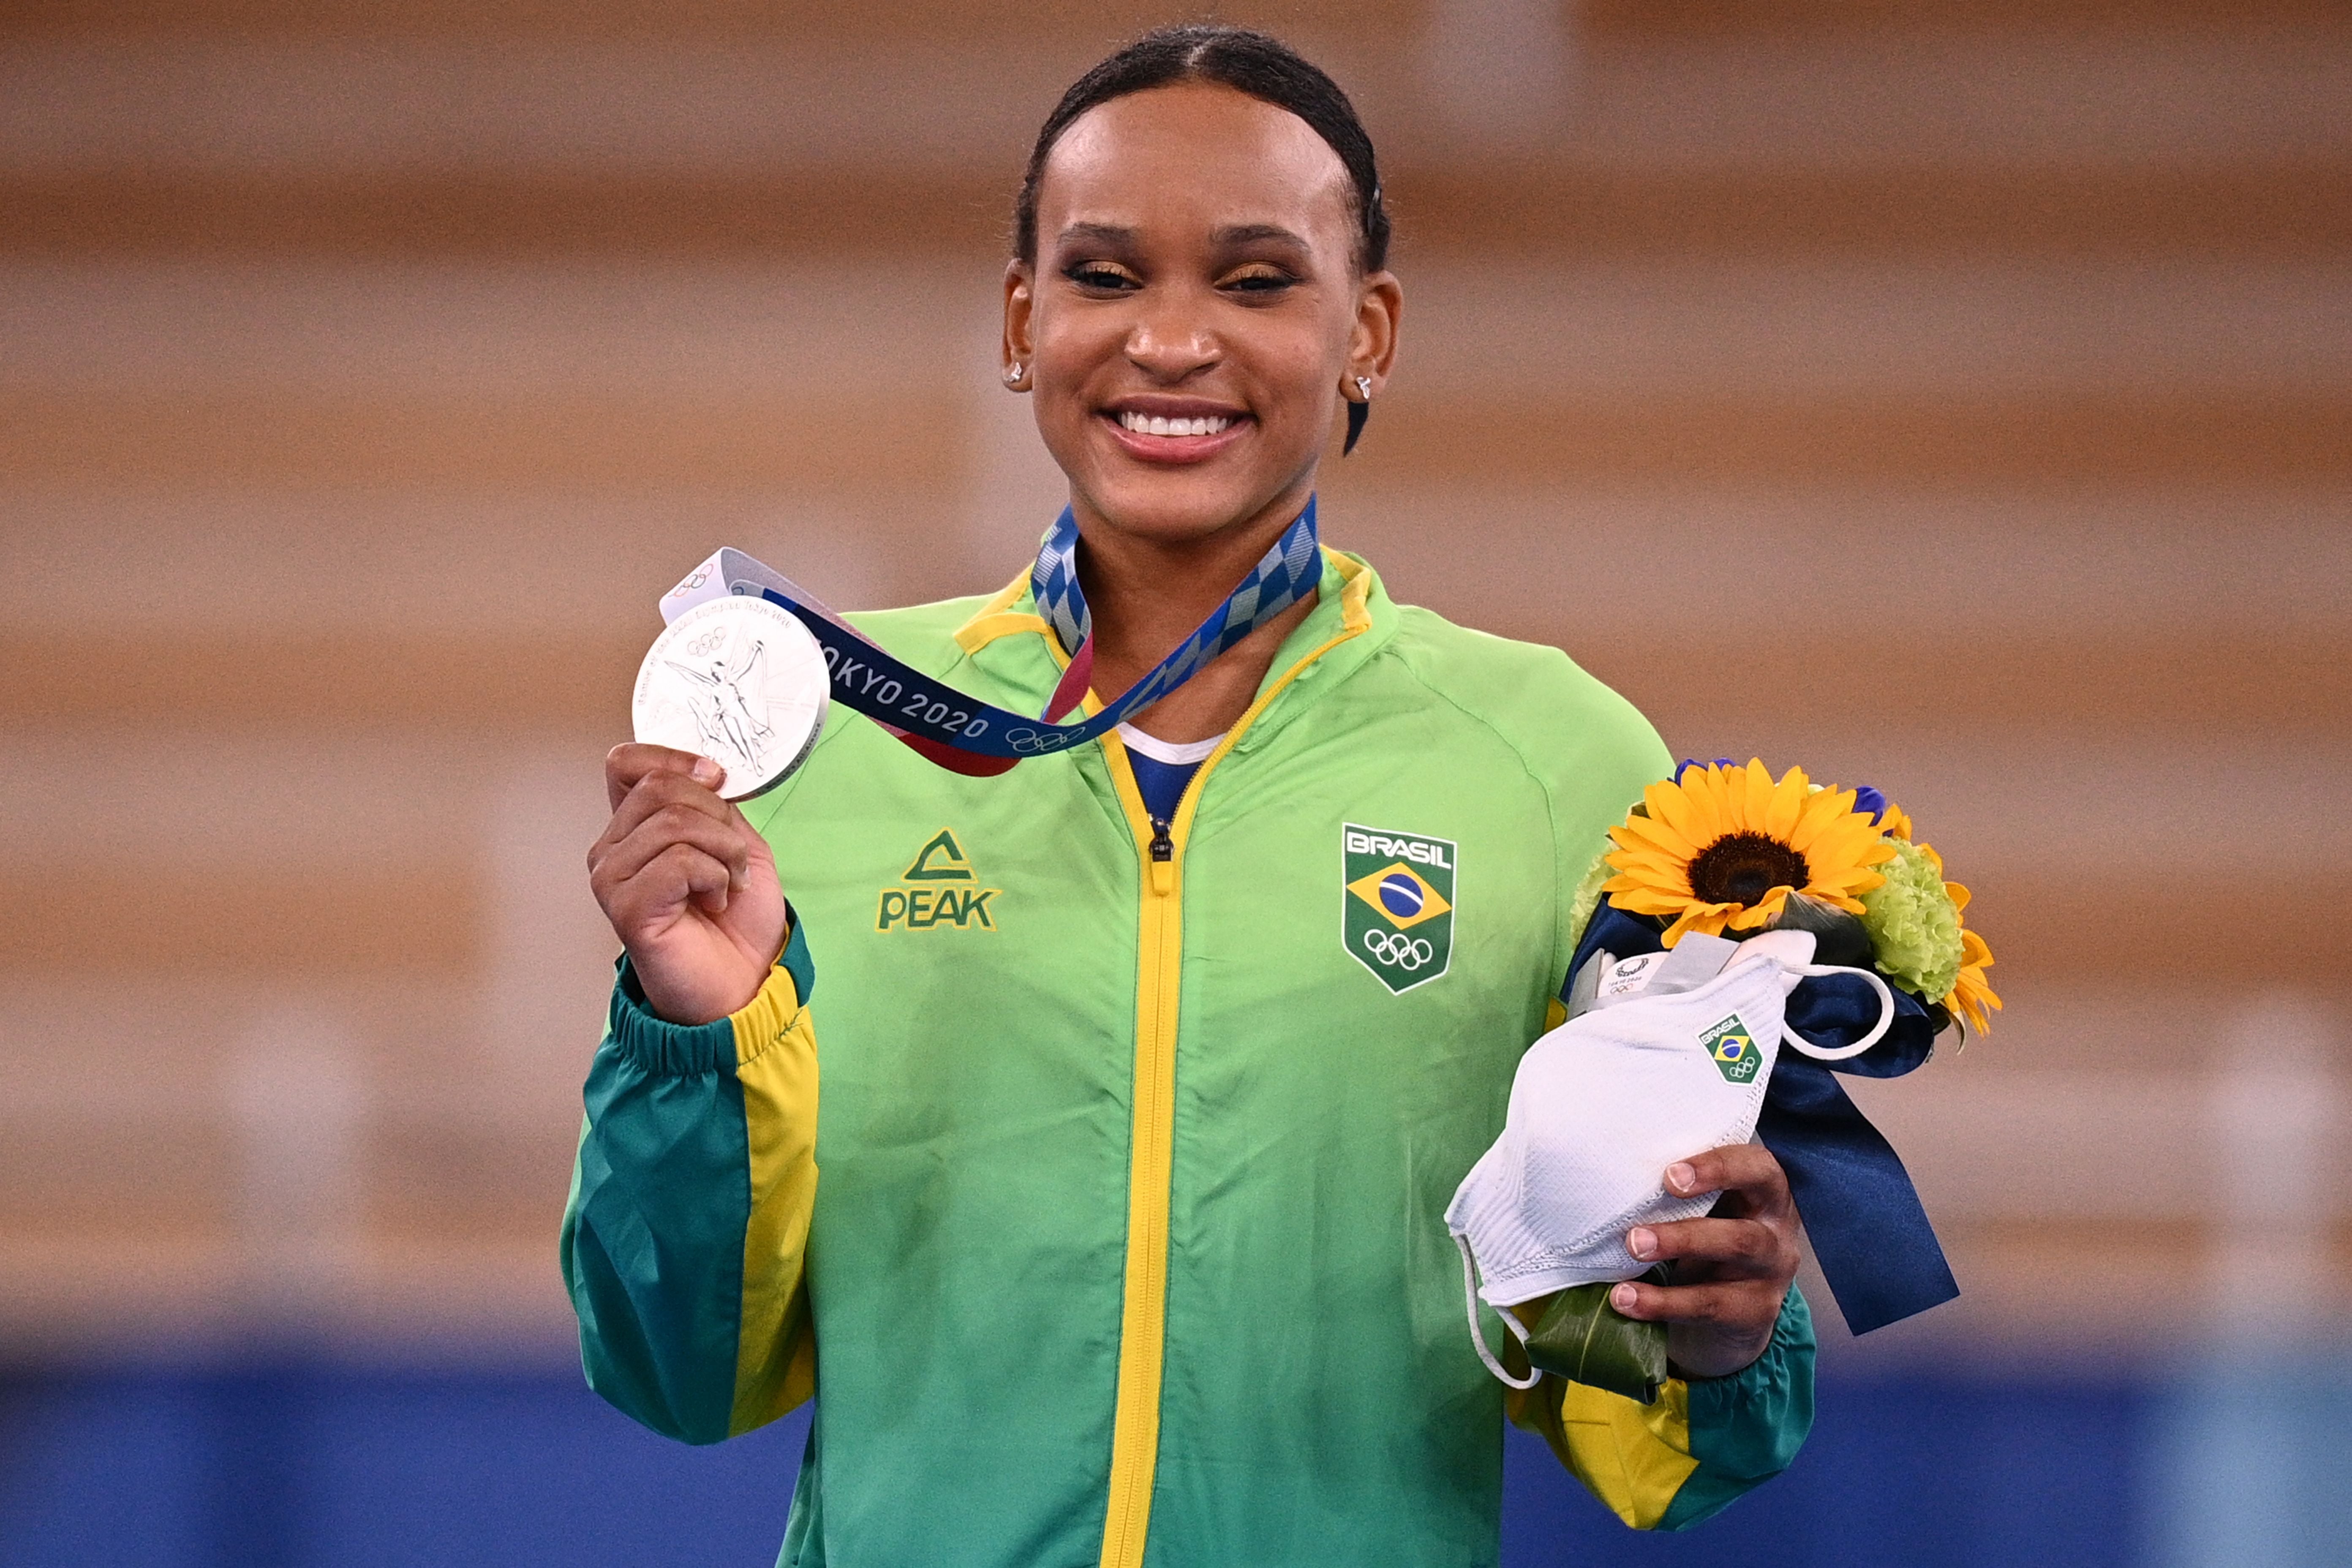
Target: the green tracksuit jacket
pixel 1098 1199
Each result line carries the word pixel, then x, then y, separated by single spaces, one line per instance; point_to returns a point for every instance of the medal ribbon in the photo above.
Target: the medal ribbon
pixel 967 735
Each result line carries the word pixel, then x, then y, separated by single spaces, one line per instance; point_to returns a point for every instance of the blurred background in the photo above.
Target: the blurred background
pixel 1956 398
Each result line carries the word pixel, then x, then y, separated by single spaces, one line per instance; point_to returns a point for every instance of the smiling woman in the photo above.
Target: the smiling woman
pixel 1117 1227
pixel 1199 281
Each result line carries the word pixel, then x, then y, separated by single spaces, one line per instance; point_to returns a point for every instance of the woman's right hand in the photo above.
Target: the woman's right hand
pixel 689 886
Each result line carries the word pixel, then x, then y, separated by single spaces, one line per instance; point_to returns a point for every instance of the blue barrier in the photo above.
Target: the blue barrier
pixel 292 1462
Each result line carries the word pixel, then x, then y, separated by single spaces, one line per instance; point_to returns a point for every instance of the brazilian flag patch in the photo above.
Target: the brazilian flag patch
pixel 1731 1045
pixel 1398 903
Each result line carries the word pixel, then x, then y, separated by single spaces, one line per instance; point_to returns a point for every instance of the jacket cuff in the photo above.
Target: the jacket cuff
pixel 1759 1415
pixel 660 1049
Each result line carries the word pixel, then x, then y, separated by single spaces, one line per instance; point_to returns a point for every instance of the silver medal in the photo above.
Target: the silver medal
pixel 738 680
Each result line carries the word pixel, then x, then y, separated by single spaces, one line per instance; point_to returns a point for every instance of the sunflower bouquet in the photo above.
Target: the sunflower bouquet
pixel 1727 850
pixel 1728 854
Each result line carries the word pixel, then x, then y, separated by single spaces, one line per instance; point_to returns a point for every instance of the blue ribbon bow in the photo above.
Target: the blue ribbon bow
pixel 1869 1232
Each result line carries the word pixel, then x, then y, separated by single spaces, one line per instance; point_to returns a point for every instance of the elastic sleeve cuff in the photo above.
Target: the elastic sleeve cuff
pixel 663 1049
pixel 1754 1421
pixel 658 1048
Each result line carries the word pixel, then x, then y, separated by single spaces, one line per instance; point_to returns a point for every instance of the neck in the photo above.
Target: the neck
pixel 1145 595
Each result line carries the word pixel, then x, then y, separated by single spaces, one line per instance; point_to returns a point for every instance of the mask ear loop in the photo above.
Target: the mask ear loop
pixel 1478 1335
pixel 1840 1053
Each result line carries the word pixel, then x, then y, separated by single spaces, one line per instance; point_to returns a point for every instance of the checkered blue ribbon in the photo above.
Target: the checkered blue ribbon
pixel 1283 576
pixel 973 737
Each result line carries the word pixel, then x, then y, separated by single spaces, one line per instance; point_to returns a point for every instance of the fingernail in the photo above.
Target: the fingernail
pixel 1682 1178
pixel 1621 1297
pixel 707 771
pixel 1640 1241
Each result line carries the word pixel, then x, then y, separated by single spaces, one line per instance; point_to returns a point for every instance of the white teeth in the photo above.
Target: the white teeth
pixel 1160 424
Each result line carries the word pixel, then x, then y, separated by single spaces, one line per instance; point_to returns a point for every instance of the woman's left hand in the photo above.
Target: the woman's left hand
pixel 1730 1269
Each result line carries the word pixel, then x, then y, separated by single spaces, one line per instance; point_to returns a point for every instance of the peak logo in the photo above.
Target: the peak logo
pixel 1397 904
pixel 940 890
pixel 940 860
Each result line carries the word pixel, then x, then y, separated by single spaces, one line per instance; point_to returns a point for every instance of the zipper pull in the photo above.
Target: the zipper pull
pixel 1164 859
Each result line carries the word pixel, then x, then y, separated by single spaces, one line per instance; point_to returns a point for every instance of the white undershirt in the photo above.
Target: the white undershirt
pixel 1174 754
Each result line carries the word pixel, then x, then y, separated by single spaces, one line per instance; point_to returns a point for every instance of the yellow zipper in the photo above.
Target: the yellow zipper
pixel 1135 1428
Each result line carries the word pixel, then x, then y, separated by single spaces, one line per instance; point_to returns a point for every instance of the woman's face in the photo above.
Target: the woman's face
pixel 1193 310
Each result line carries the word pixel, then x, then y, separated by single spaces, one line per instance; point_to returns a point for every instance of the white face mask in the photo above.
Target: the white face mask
pixel 1671 1060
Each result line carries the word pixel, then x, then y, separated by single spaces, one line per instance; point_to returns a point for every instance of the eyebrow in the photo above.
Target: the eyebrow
pixel 1100 233
pixel 1233 234
pixel 1247 233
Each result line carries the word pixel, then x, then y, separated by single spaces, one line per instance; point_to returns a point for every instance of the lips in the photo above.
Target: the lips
pixel 1174 430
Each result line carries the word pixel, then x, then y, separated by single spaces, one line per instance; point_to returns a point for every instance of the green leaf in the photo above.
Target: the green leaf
pixel 1585 1340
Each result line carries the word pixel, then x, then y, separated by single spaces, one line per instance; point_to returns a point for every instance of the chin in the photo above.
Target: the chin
pixel 1177 505
pixel 1176 501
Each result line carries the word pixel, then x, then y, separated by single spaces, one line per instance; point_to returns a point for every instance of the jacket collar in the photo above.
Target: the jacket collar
pixel 1353 614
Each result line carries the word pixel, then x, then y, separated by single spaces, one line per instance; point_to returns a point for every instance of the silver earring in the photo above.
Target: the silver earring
pixel 1012 375
pixel 1364 387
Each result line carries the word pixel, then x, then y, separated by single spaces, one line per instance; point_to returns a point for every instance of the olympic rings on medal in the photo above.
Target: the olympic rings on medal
pixel 1406 952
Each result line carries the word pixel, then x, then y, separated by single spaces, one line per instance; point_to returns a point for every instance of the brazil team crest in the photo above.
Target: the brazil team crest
pixel 1399 901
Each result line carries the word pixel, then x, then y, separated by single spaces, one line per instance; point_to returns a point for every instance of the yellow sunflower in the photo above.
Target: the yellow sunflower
pixel 1725 847
pixel 1971 1000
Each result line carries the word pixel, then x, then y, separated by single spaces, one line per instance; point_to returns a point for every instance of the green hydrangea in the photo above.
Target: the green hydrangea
pixel 1586 897
pixel 1914 928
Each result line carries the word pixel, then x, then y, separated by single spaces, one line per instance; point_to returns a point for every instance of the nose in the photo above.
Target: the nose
pixel 1171 346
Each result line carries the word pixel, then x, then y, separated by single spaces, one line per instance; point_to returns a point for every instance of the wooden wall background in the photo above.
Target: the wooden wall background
pixel 1958 398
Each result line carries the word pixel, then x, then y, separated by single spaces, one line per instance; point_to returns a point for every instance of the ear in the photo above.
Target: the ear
pixel 1371 347
pixel 1019 345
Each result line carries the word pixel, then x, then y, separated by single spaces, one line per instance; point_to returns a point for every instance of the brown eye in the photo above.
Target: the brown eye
pixel 1261 281
pixel 1099 274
